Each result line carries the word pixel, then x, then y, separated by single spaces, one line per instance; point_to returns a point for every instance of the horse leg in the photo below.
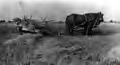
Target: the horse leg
pixel 68 29
pixel 88 29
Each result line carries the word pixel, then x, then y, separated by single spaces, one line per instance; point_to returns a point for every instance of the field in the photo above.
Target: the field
pixel 34 49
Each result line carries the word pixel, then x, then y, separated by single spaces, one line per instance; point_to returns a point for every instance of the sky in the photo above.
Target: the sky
pixel 58 9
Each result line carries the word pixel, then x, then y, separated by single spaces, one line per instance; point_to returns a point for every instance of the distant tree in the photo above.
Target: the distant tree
pixel 111 21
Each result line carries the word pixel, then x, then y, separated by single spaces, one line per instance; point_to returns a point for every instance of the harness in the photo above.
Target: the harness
pixel 76 26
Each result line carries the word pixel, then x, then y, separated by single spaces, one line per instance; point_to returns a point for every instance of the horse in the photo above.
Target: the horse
pixel 87 21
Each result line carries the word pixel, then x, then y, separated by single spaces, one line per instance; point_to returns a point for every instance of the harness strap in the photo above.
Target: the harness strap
pixel 85 20
pixel 82 22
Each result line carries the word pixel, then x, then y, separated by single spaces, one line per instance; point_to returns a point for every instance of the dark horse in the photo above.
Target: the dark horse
pixel 87 21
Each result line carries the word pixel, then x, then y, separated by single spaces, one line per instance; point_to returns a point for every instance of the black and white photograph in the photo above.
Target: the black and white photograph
pixel 59 32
